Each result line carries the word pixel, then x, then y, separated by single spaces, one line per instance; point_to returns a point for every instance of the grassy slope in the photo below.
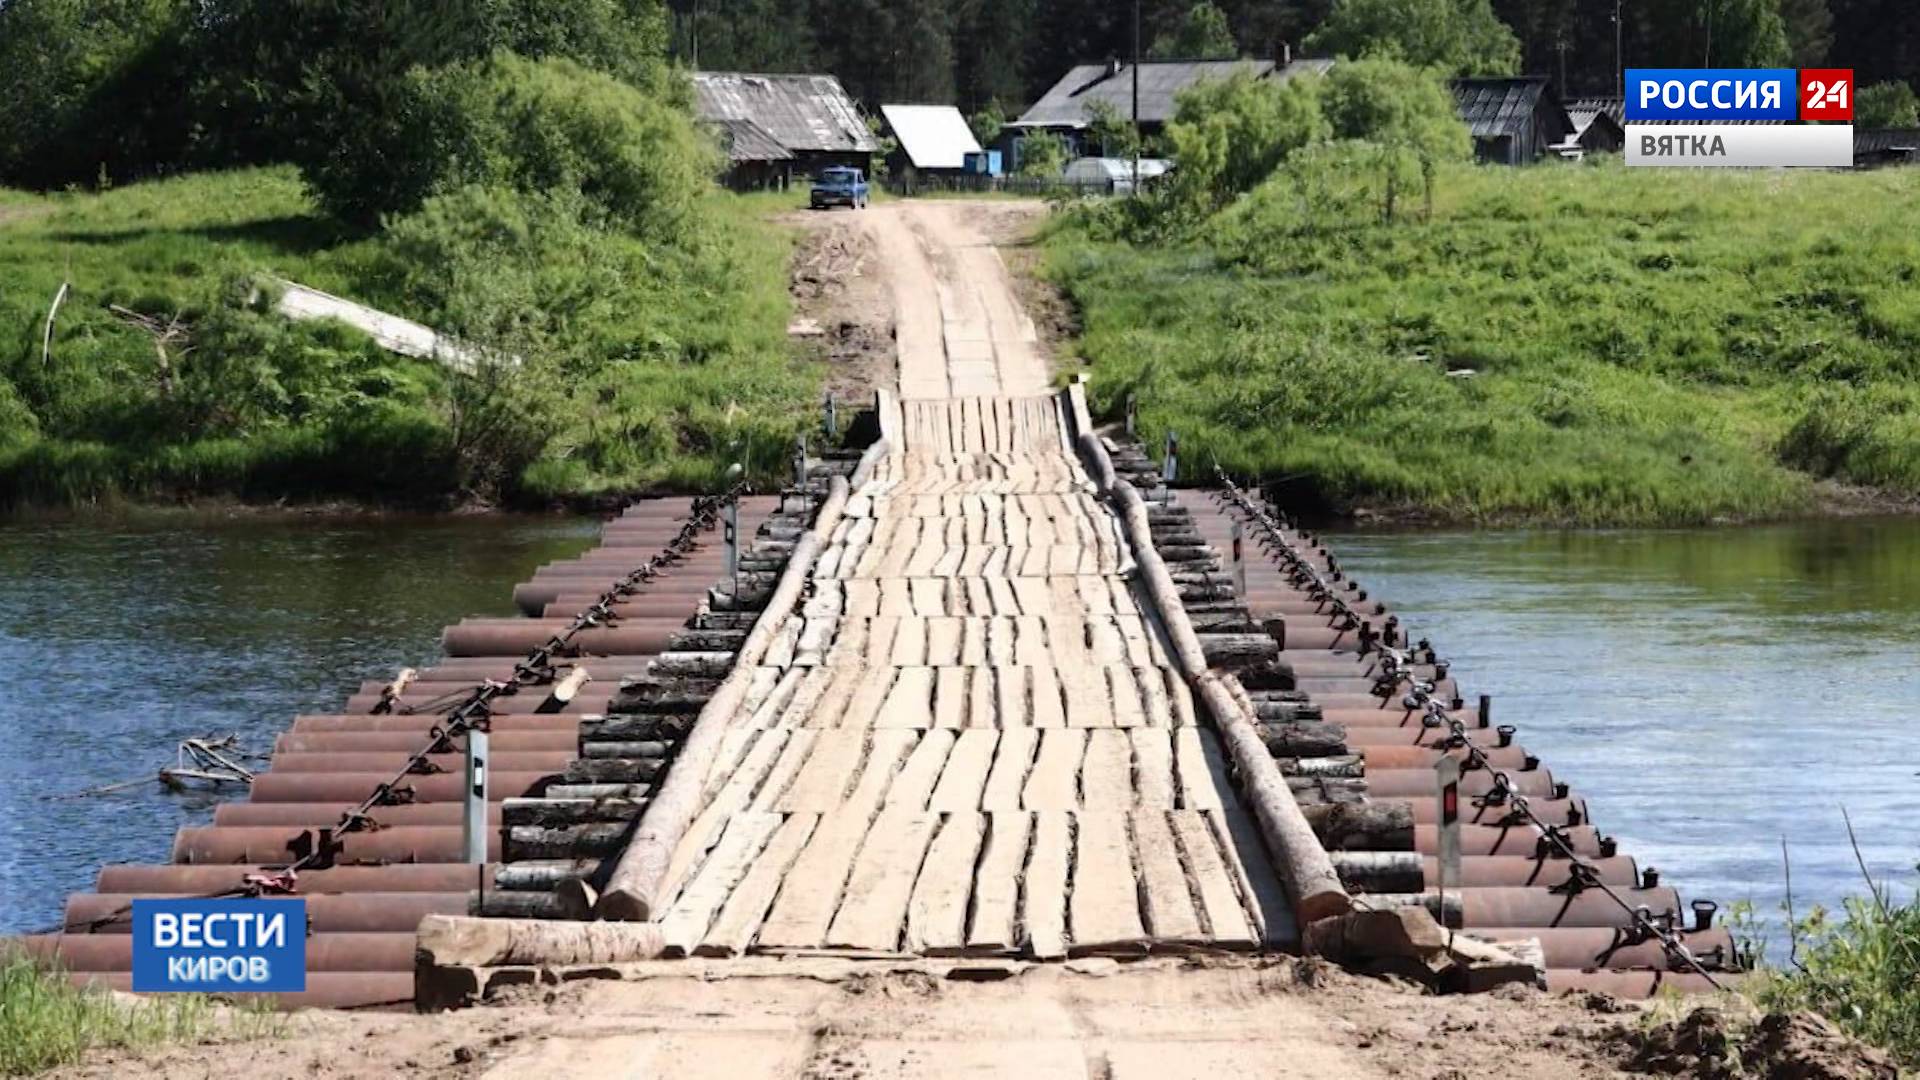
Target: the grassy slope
pixel 1649 345
pixel 179 246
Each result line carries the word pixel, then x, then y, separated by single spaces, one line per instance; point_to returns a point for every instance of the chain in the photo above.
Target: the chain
pixel 473 713
pixel 1395 670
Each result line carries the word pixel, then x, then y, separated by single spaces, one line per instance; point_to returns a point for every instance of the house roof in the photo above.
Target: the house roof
pixel 1501 107
pixel 932 136
pixel 1583 111
pixel 1885 140
pixel 745 140
pixel 800 112
pixel 1161 81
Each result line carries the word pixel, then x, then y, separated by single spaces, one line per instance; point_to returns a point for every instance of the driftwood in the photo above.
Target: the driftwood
pixel 1303 864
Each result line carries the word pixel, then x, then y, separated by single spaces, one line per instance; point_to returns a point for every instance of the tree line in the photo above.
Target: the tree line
pixel 984 53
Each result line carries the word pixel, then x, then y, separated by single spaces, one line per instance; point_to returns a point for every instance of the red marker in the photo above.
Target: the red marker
pixel 1826 94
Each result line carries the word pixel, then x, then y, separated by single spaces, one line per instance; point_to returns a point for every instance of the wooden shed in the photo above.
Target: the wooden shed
pixel 1514 121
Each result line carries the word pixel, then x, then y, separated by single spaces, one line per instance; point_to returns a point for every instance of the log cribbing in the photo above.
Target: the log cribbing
pixel 1303 864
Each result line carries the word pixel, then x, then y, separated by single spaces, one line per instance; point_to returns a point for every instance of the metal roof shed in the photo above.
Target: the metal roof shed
pixel 931 136
pixel 1065 105
pixel 807 114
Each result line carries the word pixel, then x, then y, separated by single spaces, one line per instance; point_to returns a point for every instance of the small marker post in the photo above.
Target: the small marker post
pixel 474 821
pixel 1447 773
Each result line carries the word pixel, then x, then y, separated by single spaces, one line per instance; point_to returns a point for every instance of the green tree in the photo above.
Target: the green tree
pixel 1042 154
pixel 1404 112
pixel 1110 130
pixel 1743 34
pixel 1809 28
pixel 91 87
pixel 1460 37
pixel 1229 135
pixel 987 123
pixel 1887 104
pixel 1202 34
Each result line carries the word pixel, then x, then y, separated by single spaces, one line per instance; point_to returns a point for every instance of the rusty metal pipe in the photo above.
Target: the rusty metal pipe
pixel 162 879
pixel 325 952
pixel 353 787
pixel 267 844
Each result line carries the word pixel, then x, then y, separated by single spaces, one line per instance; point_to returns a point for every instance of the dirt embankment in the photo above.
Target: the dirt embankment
pixel 1086 1020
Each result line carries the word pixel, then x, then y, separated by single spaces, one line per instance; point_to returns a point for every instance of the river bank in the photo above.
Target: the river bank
pixel 1570 345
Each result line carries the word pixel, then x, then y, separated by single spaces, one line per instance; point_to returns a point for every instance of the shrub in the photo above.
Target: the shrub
pixel 1229 135
pixel 1042 154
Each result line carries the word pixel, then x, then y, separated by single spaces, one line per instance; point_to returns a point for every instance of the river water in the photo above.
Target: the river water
pixel 120 637
pixel 1709 692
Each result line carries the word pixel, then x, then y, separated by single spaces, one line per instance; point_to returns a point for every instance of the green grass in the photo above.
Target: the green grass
pixel 649 367
pixel 45 1021
pixel 1858 968
pixel 1646 346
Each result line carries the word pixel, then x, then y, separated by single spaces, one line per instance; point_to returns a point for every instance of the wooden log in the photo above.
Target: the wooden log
pixel 542 875
pixel 1303 740
pixel 564 691
pixel 633 888
pixel 707 640
pixel 459 941
pixel 1381 871
pixel 1345 767
pixel 691 665
pixel 1372 826
pixel 647 749
pixel 556 812
pixel 1302 862
pixel 633 728
pixel 681 696
pixel 588 841
pixel 613 771
pixel 1233 650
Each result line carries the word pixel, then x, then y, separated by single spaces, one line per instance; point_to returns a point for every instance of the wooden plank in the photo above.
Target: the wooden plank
pixel 1157 707
pixel 964 778
pixel 973 637
pixel 1010 700
pixel 796 751
pixel 1030 641
pixel 1043 907
pixel 1170 914
pixel 1128 710
pixel 874 914
pixel 693 910
pixel 909 643
pixel 1055 781
pixel 1000 641
pixel 868 695
pixel 982 710
pixel 914 783
pixel 880 631
pixel 1197 790
pixel 943 642
pixel 1104 908
pixel 1213 885
pixel 1034 595
pixel 1047 709
pixel 996 884
pixel 1181 698
pixel 822 784
pixel 1245 856
pixel 950 697
pixel 1012 759
pixel 937 914
pixel 910 703
pixel 1106 776
pixel 1133 631
pixel 740 918
pixel 1088 702
pixel 1152 768
pixel 810 892
pixel 884 751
